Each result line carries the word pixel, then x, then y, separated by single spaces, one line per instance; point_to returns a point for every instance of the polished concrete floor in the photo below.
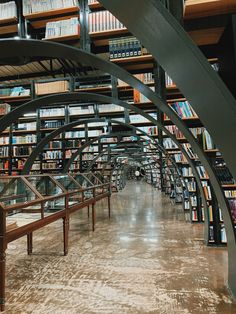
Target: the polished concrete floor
pixel 146 259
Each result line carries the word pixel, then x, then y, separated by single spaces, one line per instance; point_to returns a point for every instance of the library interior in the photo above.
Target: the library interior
pixel 117 156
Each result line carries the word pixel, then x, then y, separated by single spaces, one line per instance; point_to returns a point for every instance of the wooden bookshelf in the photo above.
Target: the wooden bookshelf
pixel 37 24
pixel 229 186
pixel 95 89
pixel 142 58
pixel 96 5
pixel 109 33
pixel 9 29
pixel 14 98
pixel 63 38
pixel 9 20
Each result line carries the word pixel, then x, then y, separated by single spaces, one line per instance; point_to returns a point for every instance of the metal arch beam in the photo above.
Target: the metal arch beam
pixel 53 134
pixel 35 48
pixel 154 142
pixel 174 50
pixel 125 153
pixel 73 157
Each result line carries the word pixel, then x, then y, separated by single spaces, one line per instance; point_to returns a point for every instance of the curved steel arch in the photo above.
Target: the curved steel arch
pixel 174 50
pixel 154 142
pixel 73 157
pixel 36 48
pixel 53 134
pixel 55 50
pixel 126 153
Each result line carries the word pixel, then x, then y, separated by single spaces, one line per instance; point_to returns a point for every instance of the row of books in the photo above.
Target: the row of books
pixel 110 108
pixel 62 28
pixel 4 165
pixel 230 193
pixel 184 109
pixel 207 140
pixel 22 151
pixel 8 10
pixel 207 190
pixel 27 126
pixel 81 134
pixel 50 165
pixel 180 158
pixel 4 109
pixel 4 151
pixel 53 144
pixel 92 1
pixel 14 91
pixel 125 47
pixel 169 81
pixel 53 154
pixel 81 110
pixel 187 172
pixel 194 214
pixel 4 140
pixel 103 21
pixel 173 129
pixel 189 151
pixel 52 112
pixel 146 78
pixel 169 144
pixel 51 87
pixel 186 205
pixel 33 6
pixel 202 172
pixel 232 204
pixel 193 200
pixel 52 124
pixel 88 156
pixel 191 185
pixel 139 97
pixel 224 175
pixel 24 139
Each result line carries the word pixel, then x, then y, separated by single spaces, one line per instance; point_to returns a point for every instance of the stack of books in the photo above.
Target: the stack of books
pixel 184 110
pixel 62 28
pixel 125 47
pixel 103 21
pixel 51 87
pixel 4 109
pixel 33 6
pixel 8 10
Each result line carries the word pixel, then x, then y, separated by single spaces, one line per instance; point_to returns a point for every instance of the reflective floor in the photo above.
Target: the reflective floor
pixel 146 259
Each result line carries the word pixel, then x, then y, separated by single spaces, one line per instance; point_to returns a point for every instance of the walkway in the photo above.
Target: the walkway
pixel 147 259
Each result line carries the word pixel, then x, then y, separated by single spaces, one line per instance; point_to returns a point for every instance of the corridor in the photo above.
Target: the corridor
pixel 146 259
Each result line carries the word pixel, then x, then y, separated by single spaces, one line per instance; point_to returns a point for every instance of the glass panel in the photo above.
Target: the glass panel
pixel 14 191
pixel 82 180
pixel 50 207
pixel 92 178
pixel 23 216
pixel 100 177
pixel 45 185
pixel 66 182
pixel 84 183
